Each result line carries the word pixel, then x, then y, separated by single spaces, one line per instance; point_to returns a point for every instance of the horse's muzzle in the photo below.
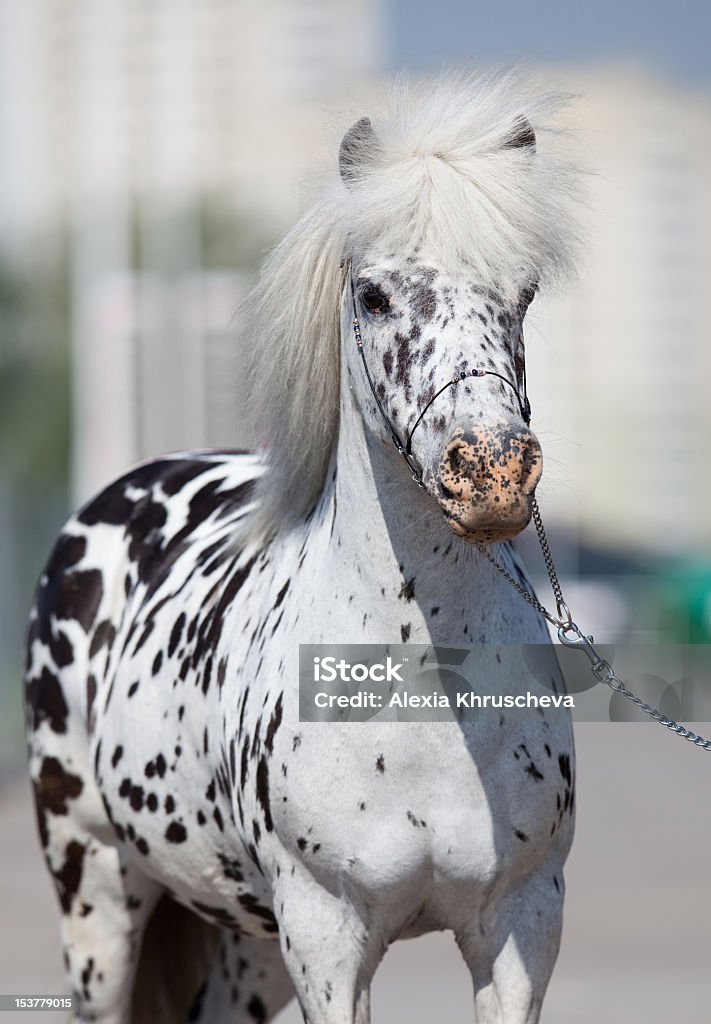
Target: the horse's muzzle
pixel 486 480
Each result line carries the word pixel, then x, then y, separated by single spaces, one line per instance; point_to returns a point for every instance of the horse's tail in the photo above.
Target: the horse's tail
pixel 176 955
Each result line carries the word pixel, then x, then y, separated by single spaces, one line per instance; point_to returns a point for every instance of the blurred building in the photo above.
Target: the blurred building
pixel 100 98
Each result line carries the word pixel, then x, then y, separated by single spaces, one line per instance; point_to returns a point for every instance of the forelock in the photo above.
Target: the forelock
pixel 447 179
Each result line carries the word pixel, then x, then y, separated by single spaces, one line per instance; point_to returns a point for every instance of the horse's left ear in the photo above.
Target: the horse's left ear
pixel 358 148
pixel 522 136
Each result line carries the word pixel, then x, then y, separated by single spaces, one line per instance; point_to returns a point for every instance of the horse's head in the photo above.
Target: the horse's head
pixel 421 330
pixel 436 362
pixel 448 210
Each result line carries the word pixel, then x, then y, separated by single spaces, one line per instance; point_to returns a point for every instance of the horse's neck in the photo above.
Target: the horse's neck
pixel 390 549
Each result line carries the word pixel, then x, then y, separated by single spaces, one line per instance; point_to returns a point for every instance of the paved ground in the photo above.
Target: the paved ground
pixel 637 940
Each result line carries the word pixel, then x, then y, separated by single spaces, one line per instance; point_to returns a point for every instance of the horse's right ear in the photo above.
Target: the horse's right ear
pixel 358 149
pixel 522 135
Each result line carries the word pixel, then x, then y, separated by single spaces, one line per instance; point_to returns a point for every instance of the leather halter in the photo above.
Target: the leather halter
pixel 405 448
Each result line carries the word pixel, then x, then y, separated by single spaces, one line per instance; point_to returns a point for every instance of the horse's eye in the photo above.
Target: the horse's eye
pixel 374 299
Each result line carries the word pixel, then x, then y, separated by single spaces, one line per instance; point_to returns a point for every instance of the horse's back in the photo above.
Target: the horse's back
pixel 121 545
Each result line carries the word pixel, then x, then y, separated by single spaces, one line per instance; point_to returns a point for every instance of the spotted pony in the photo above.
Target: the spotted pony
pixel 183 807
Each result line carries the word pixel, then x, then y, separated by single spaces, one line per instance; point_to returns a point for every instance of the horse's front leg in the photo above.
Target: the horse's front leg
pixel 329 951
pixel 512 947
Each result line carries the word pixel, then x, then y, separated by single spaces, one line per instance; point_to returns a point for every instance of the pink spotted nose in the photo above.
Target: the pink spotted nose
pixel 486 481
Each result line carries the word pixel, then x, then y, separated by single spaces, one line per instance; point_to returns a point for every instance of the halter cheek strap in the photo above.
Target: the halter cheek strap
pixel 405 448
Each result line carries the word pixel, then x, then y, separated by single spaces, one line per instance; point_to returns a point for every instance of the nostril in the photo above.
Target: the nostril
pixel 456 459
pixel 530 465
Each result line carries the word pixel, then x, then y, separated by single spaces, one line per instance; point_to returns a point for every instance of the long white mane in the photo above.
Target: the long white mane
pixel 443 175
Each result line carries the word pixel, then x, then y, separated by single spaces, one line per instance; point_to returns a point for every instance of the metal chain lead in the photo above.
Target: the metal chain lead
pixel 525 594
pixel 561 606
pixel 572 636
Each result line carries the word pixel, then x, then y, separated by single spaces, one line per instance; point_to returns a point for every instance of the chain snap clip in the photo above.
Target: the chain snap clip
pixel 600 668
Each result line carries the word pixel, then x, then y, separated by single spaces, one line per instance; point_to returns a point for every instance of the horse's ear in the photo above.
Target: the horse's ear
pixel 358 148
pixel 522 136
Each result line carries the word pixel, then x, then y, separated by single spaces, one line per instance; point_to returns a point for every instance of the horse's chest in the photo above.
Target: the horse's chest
pixel 400 807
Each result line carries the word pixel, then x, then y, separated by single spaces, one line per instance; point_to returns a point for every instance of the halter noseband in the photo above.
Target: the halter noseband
pixel 406 449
